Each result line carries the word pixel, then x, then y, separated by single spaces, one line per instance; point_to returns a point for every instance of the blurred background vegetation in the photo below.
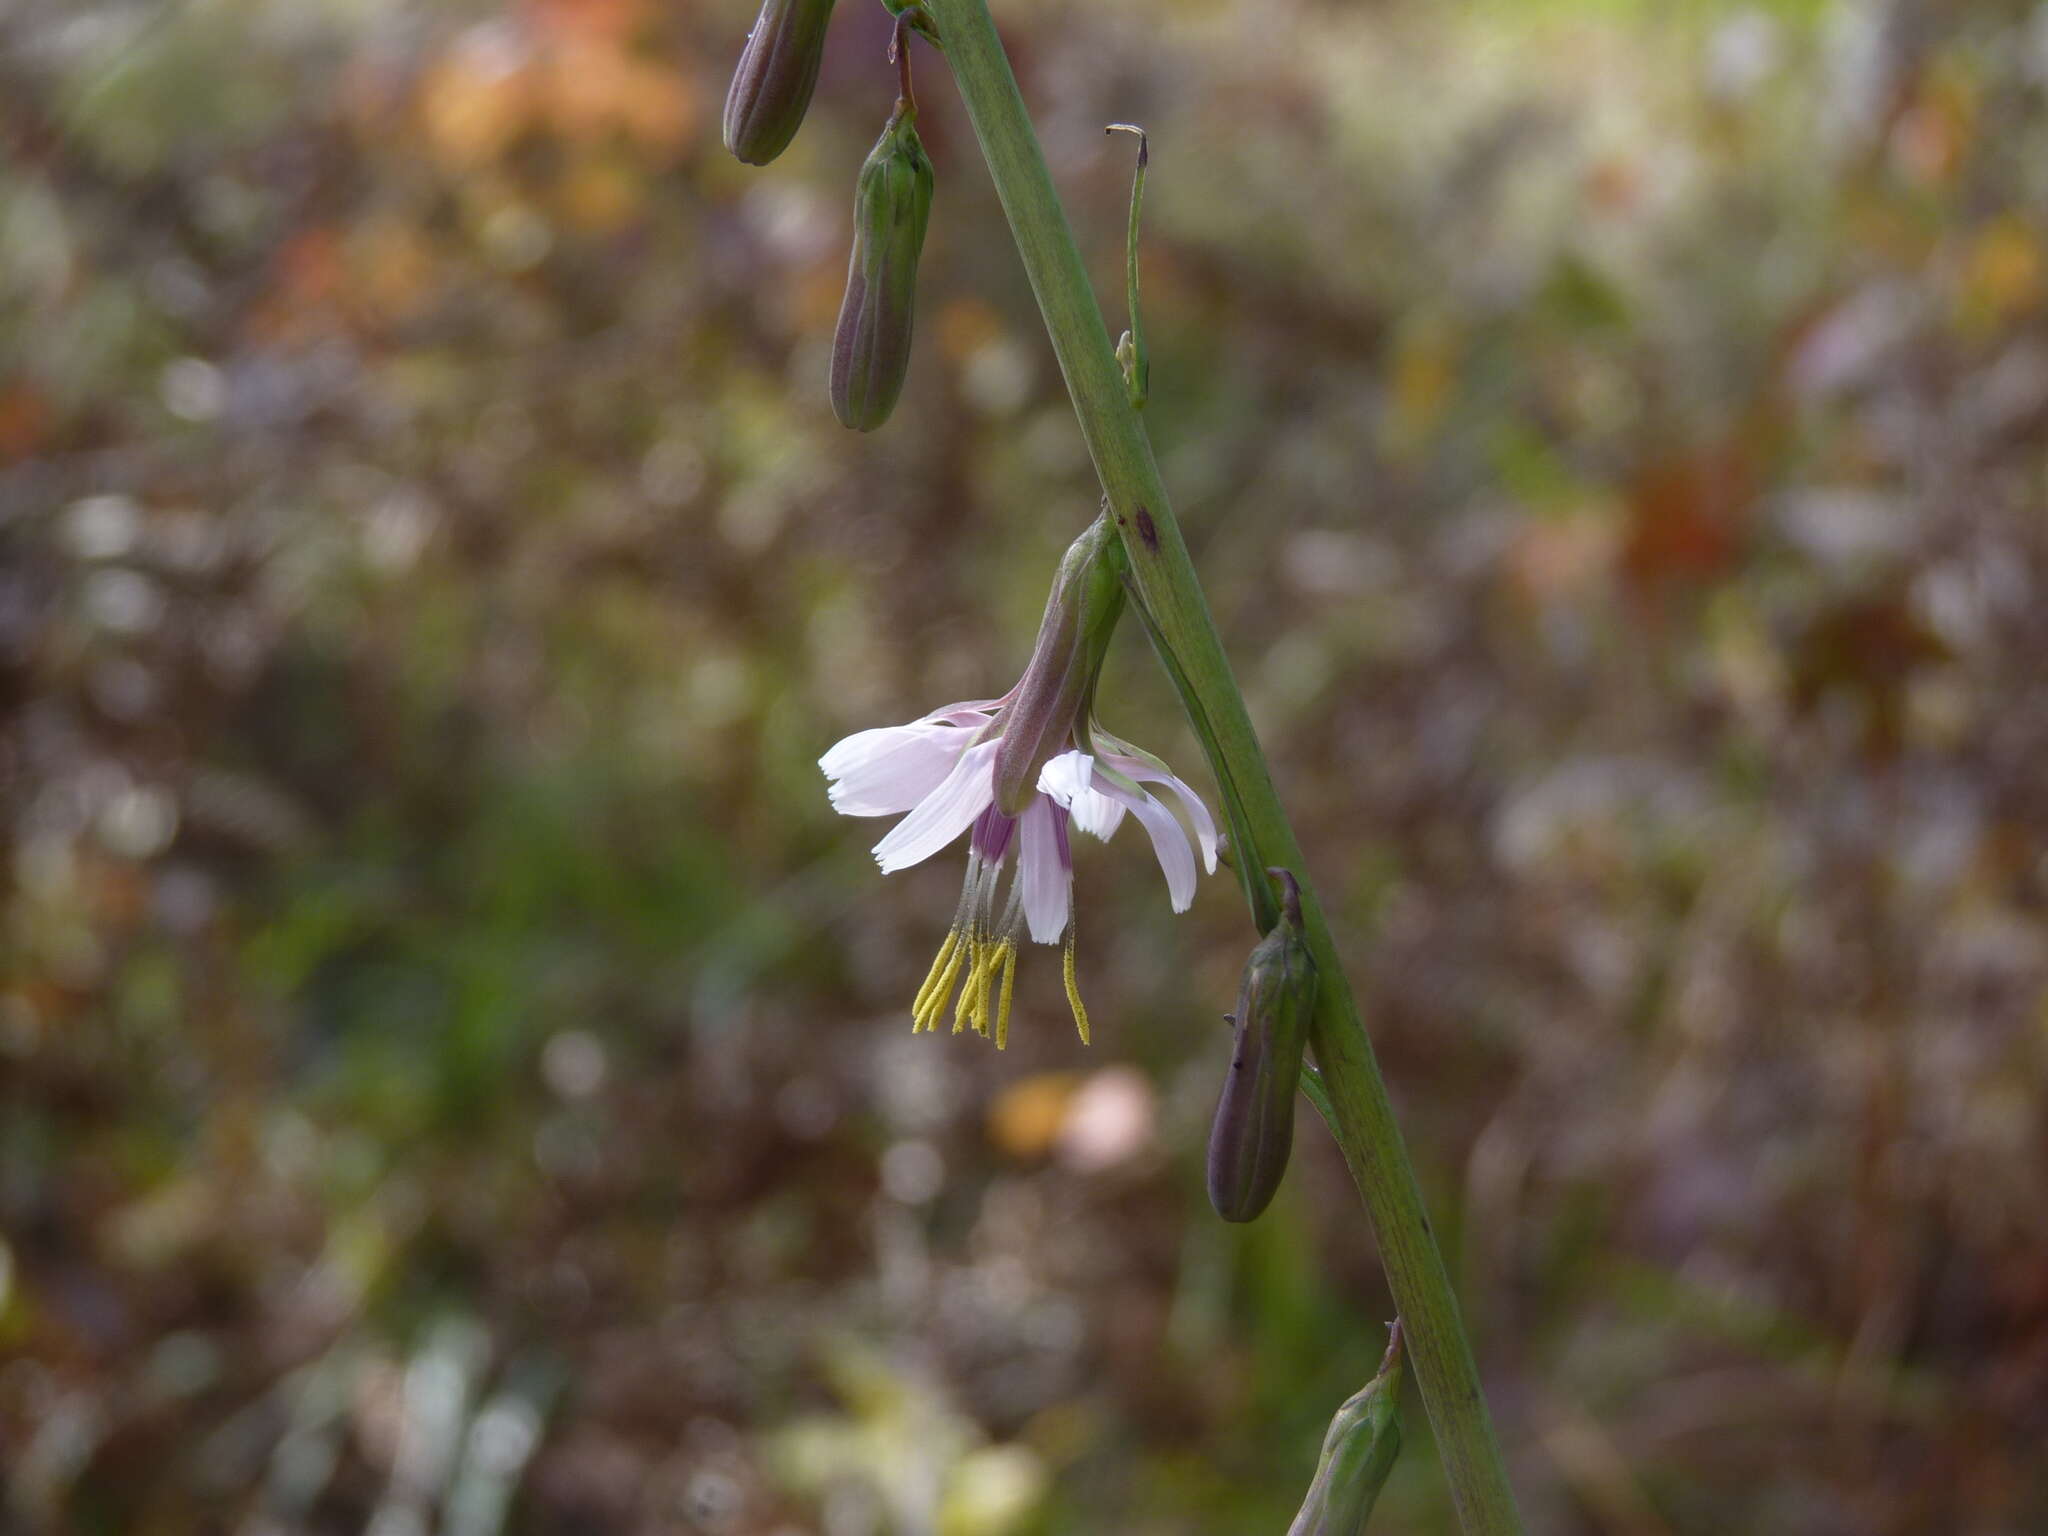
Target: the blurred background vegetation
pixel 454 1067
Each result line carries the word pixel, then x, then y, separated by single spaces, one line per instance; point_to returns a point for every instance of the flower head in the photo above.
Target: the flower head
pixel 1015 773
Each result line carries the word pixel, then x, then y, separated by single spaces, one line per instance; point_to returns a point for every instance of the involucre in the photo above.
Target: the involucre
pixel 891 205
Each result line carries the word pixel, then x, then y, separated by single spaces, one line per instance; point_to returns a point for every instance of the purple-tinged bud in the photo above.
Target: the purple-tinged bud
pixel 891 205
pixel 1057 692
pixel 1253 1132
pixel 778 70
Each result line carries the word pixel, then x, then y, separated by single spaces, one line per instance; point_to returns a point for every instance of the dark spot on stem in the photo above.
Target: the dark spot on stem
pixel 1147 530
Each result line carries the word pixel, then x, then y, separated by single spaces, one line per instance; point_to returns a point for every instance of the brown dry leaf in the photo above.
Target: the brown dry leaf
pixel 594 88
pixel 1688 516
pixel 816 296
pixel 600 194
pixel 1425 382
pixel 307 280
pixel 478 98
pixel 1027 1116
pixel 2005 267
pixel 391 267
pixel 1564 558
pixel 965 326
pixel 24 418
pixel 612 20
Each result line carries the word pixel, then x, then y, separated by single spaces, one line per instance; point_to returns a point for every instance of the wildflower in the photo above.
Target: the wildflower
pixel 1015 773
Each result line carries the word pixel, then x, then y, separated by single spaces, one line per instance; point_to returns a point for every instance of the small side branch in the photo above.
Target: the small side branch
pixel 1130 349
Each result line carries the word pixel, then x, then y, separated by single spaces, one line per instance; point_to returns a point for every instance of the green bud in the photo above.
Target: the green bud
pixel 1253 1132
pixel 1358 1453
pixel 871 349
pixel 771 89
pixel 1057 692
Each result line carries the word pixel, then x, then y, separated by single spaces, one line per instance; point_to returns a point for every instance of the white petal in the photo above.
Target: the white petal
pixel 1062 774
pixel 1169 841
pixel 1067 778
pixel 1047 881
pixel 886 771
pixel 1197 813
pixel 943 814
pixel 862 747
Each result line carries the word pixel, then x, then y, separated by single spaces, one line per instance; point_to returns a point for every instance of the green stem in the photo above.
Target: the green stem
pixel 1171 598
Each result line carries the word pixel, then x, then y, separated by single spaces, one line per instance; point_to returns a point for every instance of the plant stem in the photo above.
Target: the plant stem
pixel 1171 599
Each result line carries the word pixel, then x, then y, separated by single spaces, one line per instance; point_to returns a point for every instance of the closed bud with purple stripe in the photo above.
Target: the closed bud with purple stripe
pixel 1253 1132
pixel 778 70
pixel 891 206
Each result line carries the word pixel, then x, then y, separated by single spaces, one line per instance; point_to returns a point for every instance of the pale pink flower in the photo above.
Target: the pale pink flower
pixel 941 774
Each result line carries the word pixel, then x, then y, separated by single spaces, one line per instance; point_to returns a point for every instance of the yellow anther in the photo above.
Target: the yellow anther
pixel 1009 980
pixel 1073 991
pixel 932 976
pixel 985 979
pixel 935 1000
pixel 974 989
pixel 972 949
pixel 963 1011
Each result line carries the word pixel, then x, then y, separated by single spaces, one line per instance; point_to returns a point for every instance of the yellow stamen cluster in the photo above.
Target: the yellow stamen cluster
pixel 983 966
pixel 982 1005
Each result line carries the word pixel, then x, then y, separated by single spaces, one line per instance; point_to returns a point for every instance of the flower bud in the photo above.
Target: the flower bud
pixel 1056 693
pixel 778 69
pixel 1253 1132
pixel 891 204
pixel 1358 1453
